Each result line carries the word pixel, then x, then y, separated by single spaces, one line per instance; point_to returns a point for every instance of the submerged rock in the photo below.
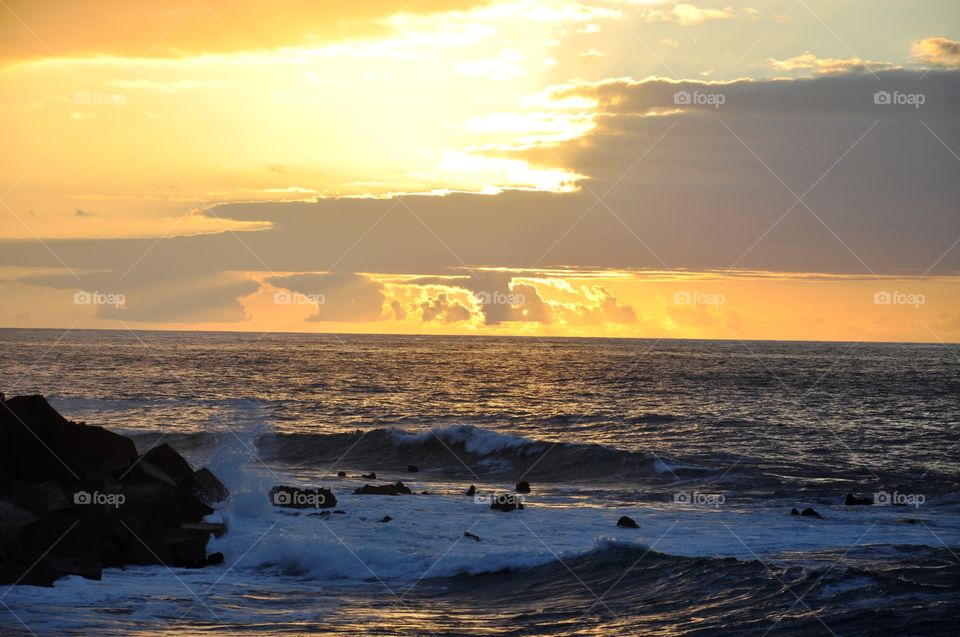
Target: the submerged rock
pixel 472 491
pixel 341 474
pixel 385 519
pixel 475 538
pixel 506 502
pixel 810 513
pixel 369 476
pixel 794 511
pixel 523 487
pixel 627 523
pixel 383 489
pixel 852 500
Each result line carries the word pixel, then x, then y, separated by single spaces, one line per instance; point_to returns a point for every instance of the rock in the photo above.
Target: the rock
pixel 794 511
pixel 215 558
pixel 472 491
pixel 810 513
pixel 341 474
pixel 852 500
pixel 297 498
pixel 506 502
pixel 909 521
pixel 523 487
pixel 85 501
pixel 340 512
pixel 412 468
pixel 627 523
pixel 424 493
pixel 215 528
pixel 385 519
pixel 383 489
pixel 369 476
pixel 208 488
pixel 475 538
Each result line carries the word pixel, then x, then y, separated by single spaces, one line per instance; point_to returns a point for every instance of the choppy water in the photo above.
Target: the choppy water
pixel 706 444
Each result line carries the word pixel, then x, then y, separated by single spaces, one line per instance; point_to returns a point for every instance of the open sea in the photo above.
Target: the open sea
pixel 706 444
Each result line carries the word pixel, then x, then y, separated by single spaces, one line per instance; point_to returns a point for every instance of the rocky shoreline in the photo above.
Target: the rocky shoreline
pixel 76 498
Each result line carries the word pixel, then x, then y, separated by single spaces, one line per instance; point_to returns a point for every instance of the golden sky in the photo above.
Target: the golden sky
pixel 642 168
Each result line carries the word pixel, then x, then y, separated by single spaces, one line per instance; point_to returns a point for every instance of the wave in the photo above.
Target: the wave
pixel 468 451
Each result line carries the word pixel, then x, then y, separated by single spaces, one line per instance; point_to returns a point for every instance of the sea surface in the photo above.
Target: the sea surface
pixel 706 444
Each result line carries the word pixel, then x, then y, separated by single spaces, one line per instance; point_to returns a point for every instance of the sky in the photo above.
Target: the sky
pixel 619 168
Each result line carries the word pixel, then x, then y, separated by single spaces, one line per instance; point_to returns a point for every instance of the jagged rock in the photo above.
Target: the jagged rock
pixel 852 500
pixel 810 513
pixel 794 511
pixel 78 499
pixel 506 502
pixel 523 487
pixel 383 489
pixel 297 498
pixel 627 523
pixel 341 474
pixel 208 488
pixel 369 476
pixel 472 491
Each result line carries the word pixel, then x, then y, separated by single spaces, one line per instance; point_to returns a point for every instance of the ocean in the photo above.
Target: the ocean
pixel 708 445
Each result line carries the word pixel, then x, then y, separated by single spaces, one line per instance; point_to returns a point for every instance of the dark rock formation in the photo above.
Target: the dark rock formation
pixel 506 502
pixel 794 511
pixel 383 489
pixel 475 538
pixel 852 500
pixel 627 523
pixel 472 491
pixel 369 476
pixel 76 498
pixel 341 474
pixel 810 513
pixel 385 519
pixel 523 487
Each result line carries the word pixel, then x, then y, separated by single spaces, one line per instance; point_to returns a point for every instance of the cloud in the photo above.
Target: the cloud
pixel 445 310
pixel 338 296
pixel 688 15
pixel 156 297
pixel 83 213
pixel 179 28
pixel 828 66
pixel 937 51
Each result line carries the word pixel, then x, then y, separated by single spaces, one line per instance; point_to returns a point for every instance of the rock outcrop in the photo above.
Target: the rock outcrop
pixel 76 498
